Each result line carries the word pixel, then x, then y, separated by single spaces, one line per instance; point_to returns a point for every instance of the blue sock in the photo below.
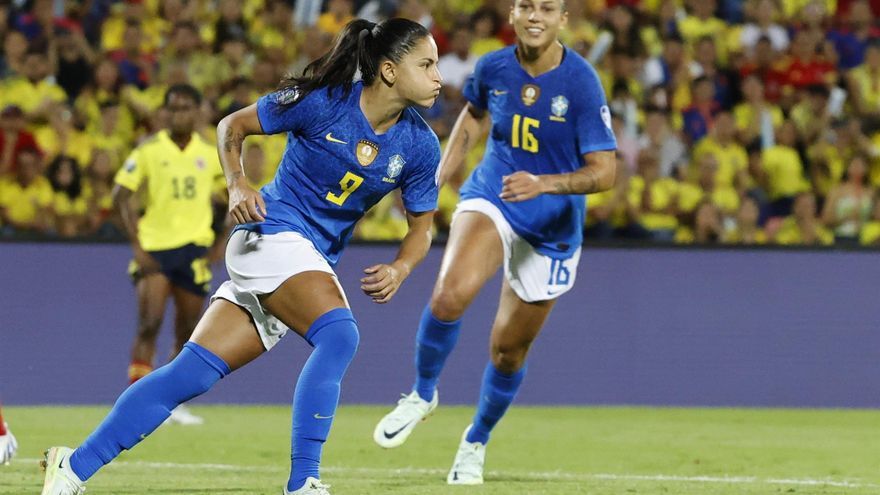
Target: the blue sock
pixel 335 337
pixel 434 341
pixel 496 394
pixel 146 404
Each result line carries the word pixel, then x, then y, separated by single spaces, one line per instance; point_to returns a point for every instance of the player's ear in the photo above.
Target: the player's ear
pixel 388 72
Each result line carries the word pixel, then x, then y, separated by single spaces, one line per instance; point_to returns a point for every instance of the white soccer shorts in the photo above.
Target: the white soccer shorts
pixel 532 275
pixel 258 264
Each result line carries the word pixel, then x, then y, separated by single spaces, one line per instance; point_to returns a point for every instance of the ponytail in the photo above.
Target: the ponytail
pixel 361 46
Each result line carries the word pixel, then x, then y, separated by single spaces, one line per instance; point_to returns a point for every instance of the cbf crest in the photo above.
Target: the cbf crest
pixel 366 152
pixel 530 94
pixel 559 107
pixel 395 165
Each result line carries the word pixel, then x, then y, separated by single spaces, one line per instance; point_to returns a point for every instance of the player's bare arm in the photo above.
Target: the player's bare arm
pixel 469 128
pixel 122 201
pixel 383 280
pixel 597 175
pixel 245 204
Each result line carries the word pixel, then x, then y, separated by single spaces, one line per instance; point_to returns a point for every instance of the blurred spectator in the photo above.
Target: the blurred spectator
pixel 459 63
pixel 185 51
pixel 755 117
pixel 486 24
pixel 699 117
pixel 745 230
pixel 15 46
pixel 64 136
pixel 136 66
pixel 68 203
pixel 849 204
pixel 852 38
pixel 315 43
pixel 808 65
pixel 659 137
pixel 231 24
pixel 864 83
pixel 764 24
pixel 656 197
pixel 802 227
pixel 26 196
pixel 783 176
pixel 339 13
pixel 124 13
pixel 730 155
pixel 701 23
pixel 35 91
pixel 669 67
pixel 14 138
pixel 767 65
pixel 75 60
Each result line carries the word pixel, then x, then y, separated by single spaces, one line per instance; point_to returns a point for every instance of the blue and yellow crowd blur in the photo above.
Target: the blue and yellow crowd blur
pixel 738 121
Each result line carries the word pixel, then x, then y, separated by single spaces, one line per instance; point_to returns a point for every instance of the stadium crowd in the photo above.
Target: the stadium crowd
pixel 738 121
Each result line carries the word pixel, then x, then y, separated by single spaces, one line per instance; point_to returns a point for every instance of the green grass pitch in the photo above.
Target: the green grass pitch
pixel 564 450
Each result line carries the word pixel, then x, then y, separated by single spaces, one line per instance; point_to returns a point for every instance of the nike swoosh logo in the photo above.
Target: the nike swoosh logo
pixel 455 476
pixel 61 463
pixel 391 435
pixel 554 292
pixel 498 92
pixel 318 416
pixel 329 137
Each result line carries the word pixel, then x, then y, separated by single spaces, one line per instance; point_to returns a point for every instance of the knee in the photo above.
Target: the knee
pixel 448 303
pixel 340 337
pixel 509 358
pixel 347 340
pixel 148 327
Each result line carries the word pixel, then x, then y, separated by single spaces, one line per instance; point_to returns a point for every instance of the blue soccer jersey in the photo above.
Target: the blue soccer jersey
pixel 335 167
pixel 541 125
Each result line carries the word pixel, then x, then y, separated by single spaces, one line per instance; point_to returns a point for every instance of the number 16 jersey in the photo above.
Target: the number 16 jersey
pixel 541 125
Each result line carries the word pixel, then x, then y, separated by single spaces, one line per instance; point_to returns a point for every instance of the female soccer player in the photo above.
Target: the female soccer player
pixel 349 144
pixel 523 207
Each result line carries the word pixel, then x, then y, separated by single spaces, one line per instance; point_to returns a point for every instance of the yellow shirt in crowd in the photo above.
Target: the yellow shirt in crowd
pixel 24 204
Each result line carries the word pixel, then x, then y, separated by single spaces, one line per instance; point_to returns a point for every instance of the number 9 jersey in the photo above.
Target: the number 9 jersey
pixel 541 125
pixel 335 167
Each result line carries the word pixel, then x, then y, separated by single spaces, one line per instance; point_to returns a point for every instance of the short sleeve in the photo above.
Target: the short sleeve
pixel 594 118
pixel 133 171
pixel 277 112
pixel 475 90
pixel 419 187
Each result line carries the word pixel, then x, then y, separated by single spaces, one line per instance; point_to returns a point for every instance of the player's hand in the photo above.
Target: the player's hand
pixel 146 263
pixel 521 186
pixel 246 204
pixel 381 282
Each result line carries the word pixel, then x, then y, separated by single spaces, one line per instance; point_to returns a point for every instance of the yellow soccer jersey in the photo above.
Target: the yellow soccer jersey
pixel 179 185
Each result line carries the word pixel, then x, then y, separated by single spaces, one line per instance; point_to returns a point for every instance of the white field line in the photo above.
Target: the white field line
pixel 533 475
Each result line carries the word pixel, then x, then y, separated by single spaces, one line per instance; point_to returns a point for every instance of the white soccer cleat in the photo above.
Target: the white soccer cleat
pixel 396 426
pixel 60 478
pixel 468 466
pixel 312 486
pixel 8 446
pixel 183 416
